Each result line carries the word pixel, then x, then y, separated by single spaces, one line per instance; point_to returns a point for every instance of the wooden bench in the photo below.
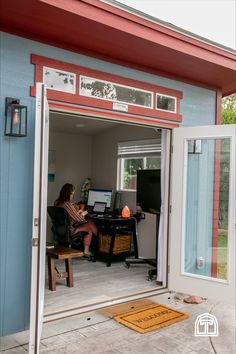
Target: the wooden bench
pixel 60 252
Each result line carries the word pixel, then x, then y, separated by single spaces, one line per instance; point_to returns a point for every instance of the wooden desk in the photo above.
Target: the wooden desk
pixel 112 225
pixel 60 252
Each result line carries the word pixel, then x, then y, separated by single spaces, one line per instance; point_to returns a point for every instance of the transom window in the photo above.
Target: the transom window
pixel 96 89
pixel 166 103
pixel 133 156
pixel 107 90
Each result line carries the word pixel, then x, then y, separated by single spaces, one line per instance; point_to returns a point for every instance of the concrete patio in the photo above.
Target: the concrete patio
pixel 96 333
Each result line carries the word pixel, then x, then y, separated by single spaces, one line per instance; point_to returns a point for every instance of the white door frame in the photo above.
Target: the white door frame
pixel 141 294
pixel 178 280
pixel 39 218
pixel 39 226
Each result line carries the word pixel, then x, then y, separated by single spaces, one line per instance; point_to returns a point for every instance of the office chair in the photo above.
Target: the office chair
pixel 62 231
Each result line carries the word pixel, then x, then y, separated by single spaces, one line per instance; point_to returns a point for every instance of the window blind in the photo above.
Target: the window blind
pixel 139 148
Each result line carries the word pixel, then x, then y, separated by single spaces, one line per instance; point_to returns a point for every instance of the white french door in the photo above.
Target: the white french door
pixel 39 217
pixel 202 219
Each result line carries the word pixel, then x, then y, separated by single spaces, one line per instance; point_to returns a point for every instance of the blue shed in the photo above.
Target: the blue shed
pixel 164 78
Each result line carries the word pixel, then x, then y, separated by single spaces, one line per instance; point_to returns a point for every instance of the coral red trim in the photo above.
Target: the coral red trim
pixel 40 62
pixel 121 117
pixel 218 106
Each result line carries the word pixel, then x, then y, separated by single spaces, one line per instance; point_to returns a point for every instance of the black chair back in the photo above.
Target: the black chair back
pixel 60 224
pixel 61 229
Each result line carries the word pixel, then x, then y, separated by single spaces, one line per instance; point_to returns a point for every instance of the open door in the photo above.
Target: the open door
pixel 202 219
pixel 39 218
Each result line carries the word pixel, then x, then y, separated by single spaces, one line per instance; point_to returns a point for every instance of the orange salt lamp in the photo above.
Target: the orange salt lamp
pixel 125 212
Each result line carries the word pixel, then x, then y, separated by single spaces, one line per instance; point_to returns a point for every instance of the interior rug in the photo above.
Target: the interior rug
pixel 151 318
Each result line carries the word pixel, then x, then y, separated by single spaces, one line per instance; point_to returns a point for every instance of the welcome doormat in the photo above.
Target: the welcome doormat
pixel 151 318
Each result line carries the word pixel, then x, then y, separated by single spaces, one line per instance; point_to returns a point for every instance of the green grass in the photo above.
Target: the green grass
pixel 222 257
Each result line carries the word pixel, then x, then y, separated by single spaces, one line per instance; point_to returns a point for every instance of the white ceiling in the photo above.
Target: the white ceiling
pixel 75 124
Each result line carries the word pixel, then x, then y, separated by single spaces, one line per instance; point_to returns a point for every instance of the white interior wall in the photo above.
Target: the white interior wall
pixel 104 156
pixel 73 162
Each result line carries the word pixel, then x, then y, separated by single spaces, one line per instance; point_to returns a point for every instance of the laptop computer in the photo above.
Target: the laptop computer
pixel 99 207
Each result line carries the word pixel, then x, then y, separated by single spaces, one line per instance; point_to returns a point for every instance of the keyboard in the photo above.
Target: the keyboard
pixel 105 216
pixel 92 215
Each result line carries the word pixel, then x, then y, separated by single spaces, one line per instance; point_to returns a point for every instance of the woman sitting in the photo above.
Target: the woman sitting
pixel 65 201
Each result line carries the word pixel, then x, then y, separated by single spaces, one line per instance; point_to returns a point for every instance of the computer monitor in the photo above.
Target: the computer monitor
pixel 149 189
pixel 99 195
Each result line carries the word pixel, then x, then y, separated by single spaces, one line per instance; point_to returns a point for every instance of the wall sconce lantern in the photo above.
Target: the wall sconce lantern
pixel 16 118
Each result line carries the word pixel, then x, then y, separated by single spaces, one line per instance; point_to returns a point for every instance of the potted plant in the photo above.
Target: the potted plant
pixel 84 193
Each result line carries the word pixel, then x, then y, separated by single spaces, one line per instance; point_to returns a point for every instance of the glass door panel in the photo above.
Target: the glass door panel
pixel 206 212
pixel 203 216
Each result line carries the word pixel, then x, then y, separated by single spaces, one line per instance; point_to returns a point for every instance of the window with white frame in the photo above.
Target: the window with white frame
pixel 133 156
pixel 165 103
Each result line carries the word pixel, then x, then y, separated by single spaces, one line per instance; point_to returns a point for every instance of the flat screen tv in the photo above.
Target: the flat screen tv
pixel 149 190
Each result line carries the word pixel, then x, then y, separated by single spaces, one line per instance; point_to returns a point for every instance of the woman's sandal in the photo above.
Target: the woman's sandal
pixel 87 255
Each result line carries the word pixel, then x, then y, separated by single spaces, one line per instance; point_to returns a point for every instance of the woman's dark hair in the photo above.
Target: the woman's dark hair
pixel 65 193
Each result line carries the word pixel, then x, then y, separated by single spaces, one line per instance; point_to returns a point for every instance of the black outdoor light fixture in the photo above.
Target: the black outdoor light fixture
pixel 16 118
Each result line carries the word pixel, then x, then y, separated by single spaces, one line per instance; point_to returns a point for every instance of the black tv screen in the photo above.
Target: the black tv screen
pixel 149 190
